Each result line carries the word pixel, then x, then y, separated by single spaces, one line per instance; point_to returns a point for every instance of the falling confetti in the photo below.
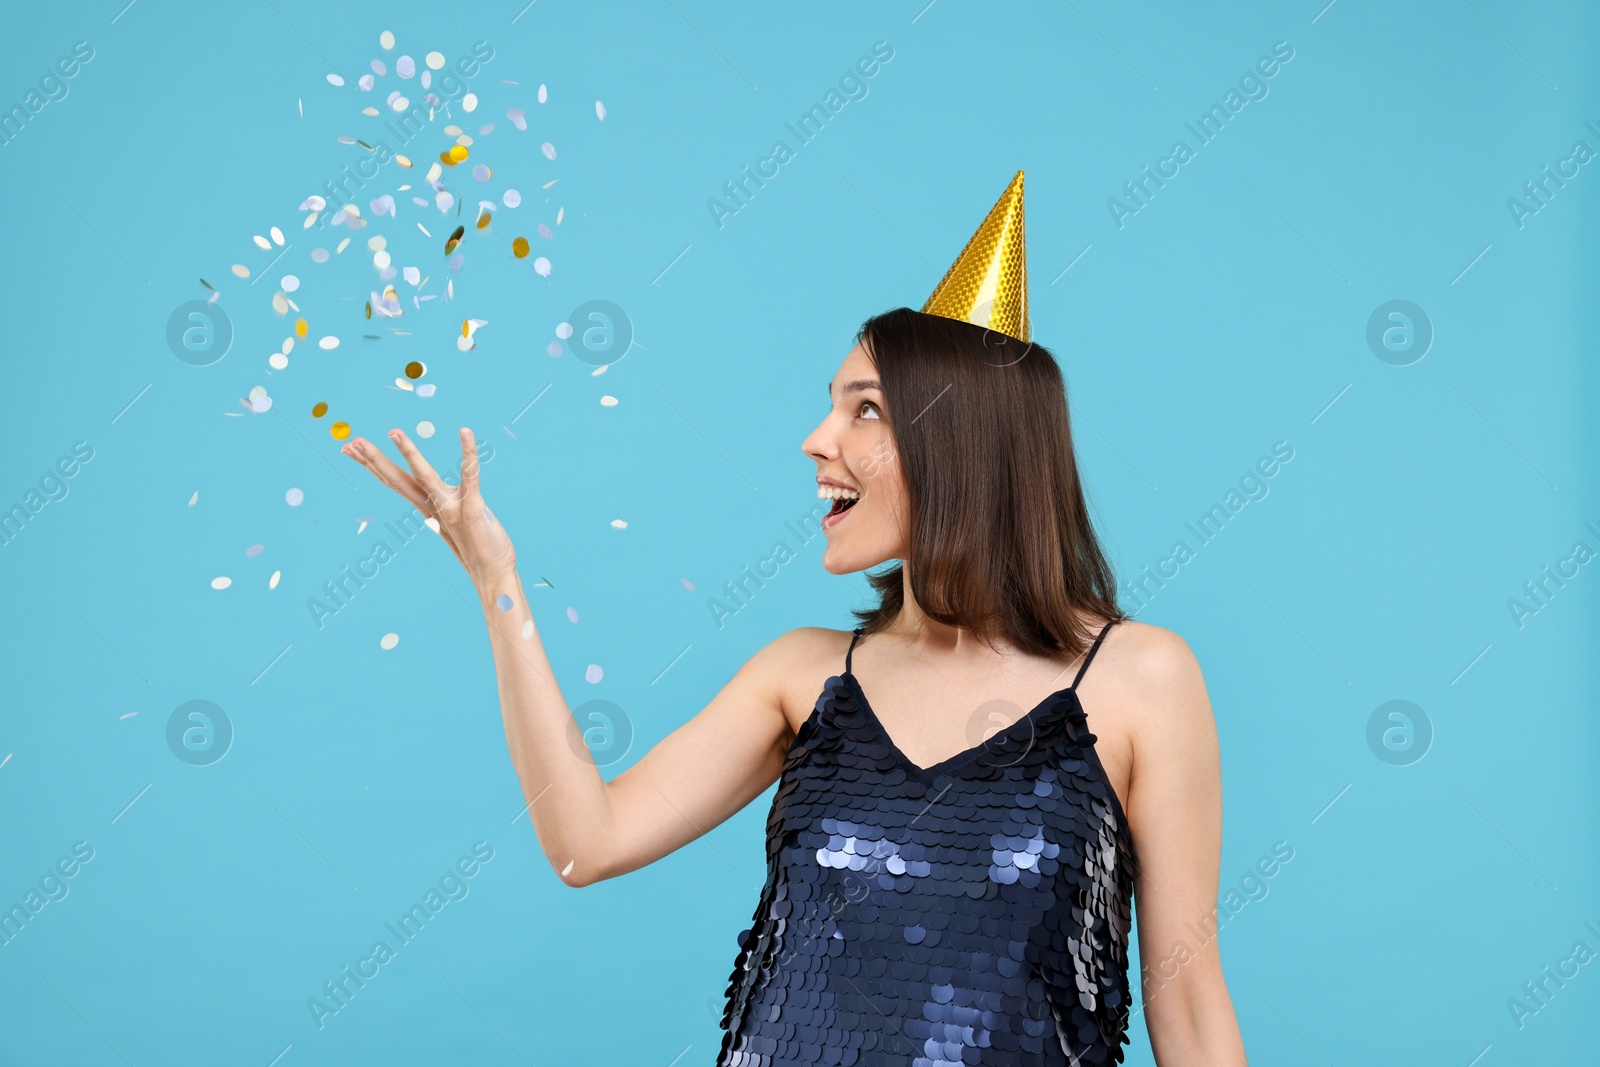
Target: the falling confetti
pixel 512 198
pixel 339 430
pixel 519 247
pixel 503 602
pixel 563 330
pixel 221 583
pixel 335 80
pixel 194 499
pixel 548 149
pixel 435 60
pixel 255 550
pixel 592 674
pixel 295 497
pixel 319 409
pixel 608 401
pixel 527 629
pixel 386 41
pixel 272 583
pixel 572 614
pixel 687 584
pixel 600 110
pixel 388 641
pixel 328 342
pixel 424 429
pixel 240 270
pixel 541 267
pixel 619 524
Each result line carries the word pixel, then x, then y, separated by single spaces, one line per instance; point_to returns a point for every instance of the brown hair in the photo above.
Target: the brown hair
pixel 1000 540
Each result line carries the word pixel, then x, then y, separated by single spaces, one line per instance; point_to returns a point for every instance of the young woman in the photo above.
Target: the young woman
pixel 952 851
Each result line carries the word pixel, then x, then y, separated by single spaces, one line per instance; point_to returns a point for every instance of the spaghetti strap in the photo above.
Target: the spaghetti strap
pixel 849 650
pixel 1092 650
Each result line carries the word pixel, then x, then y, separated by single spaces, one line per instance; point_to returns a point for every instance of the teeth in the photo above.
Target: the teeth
pixel 833 492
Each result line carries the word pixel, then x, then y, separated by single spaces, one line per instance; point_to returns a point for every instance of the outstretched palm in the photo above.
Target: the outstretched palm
pixel 465 522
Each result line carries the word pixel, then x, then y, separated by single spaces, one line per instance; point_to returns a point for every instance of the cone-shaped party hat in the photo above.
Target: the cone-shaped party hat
pixel 987 285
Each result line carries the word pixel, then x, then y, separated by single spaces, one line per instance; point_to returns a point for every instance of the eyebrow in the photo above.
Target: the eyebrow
pixel 857 386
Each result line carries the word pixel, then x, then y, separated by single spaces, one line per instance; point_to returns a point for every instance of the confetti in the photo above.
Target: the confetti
pixel 457 153
pixel 405 66
pixel 608 401
pixel 503 602
pixel 365 83
pixel 262 242
pixel 544 231
pixel 300 327
pixel 548 149
pixel 272 583
pixel 541 266
pixel 319 255
pixel 527 629
pixel 328 342
pixel 592 674
pixel 388 641
pixel 424 429
pixel 294 497
pixel 435 60
pixel 379 68
pixel 335 80
pixel 194 499
pixel 416 369
pixel 600 110
pixel 255 550
pixel 339 430
pixel 687 584
pixel 563 330
pixel 512 198
pixel 221 583
pixel 519 247
pixel 277 236
pixel 469 103
pixel 386 41
pixel 554 348
pixel 290 283
pixel 425 390
pixel 319 409
pixel 518 118
pixel 572 614
pixel 481 172
pixel 240 270
pixel 543 95
pixel 619 524
pixel 277 361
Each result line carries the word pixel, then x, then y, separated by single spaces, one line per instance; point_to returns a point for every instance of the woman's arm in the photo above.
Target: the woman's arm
pixel 1175 814
pixel 692 780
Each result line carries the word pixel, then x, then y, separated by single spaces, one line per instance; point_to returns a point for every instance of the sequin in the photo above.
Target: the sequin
pixel 973 912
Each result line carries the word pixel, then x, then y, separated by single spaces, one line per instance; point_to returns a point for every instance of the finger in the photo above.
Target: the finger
pixel 426 476
pixel 388 472
pixel 469 465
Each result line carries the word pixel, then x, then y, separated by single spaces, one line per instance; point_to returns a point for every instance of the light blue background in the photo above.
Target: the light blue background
pixel 1228 314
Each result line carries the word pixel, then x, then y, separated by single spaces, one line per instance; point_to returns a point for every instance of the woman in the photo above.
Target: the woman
pixel 950 876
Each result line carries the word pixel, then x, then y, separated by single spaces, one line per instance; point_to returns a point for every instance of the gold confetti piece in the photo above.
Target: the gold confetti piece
pixel 340 430
pixel 240 270
pixel 519 247
pixel 319 409
pixel 300 327
pixel 458 153
pixel 415 370
pixel 483 220
pixel 444 157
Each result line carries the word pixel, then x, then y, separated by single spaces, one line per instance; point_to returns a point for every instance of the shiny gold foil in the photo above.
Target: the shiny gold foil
pixel 987 285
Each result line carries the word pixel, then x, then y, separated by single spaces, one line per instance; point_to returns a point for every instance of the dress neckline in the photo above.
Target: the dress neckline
pixel 962 758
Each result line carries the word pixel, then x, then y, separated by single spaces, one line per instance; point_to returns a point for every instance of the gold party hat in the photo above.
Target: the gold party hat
pixel 987 285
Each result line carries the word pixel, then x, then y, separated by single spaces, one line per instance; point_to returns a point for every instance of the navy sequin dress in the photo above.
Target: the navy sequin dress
pixel 973 912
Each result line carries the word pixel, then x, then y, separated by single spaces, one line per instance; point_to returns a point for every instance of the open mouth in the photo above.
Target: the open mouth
pixel 842 505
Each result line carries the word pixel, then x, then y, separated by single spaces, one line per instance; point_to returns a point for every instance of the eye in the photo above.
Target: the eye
pixel 868 404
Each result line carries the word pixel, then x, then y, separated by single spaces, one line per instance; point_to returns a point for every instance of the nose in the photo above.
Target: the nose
pixel 819 443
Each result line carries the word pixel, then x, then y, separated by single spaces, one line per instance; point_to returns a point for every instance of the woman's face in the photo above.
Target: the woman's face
pixel 854 449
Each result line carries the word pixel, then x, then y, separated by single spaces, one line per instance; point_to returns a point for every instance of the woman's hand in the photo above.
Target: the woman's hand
pixel 465 521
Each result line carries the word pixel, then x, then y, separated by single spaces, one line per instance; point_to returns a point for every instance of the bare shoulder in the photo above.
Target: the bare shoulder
pixel 797 663
pixel 1153 670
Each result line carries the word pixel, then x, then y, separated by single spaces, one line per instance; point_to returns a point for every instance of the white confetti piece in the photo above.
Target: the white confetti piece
pixel 608 401
pixel 469 103
pixel 386 40
pixel 262 242
pixel 592 674
pixel 194 499
pixel 388 641
pixel 572 614
pixel 431 523
pixel 543 94
pixel 548 149
pixel 277 236
pixel 335 80
pixel 328 342
pixel 600 110
pixel 294 497
pixel 272 583
pixel 563 330
pixel 435 60
pixel 221 583
pixel 541 267
pixel 424 429
pixel 619 524
pixel 278 361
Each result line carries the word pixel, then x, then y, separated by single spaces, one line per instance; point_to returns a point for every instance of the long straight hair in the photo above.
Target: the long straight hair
pixel 1000 540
